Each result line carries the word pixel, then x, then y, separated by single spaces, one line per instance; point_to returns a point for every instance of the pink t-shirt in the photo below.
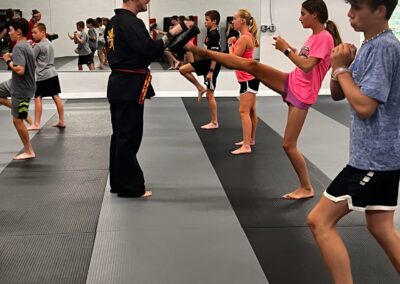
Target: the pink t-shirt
pixel 305 86
pixel 243 76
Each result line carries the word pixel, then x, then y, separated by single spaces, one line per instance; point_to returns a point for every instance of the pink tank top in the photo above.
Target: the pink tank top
pixel 248 54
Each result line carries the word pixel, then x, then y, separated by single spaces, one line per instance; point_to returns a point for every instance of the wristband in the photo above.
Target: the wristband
pixel 211 70
pixel 339 71
pixel 287 51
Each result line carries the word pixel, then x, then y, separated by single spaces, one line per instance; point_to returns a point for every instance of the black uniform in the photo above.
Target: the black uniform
pixel 213 42
pixel 130 51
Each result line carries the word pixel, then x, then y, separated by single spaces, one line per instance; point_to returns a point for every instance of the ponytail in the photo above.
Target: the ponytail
pixel 254 31
pixel 251 23
pixel 331 27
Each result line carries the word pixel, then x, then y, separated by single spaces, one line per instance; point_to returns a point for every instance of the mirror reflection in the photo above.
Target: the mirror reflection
pixel 165 13
pixel 77 36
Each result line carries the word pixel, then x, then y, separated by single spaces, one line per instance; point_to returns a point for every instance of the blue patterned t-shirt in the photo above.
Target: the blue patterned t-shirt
pixel 375 142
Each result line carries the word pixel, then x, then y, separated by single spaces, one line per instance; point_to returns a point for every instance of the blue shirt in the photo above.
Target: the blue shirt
pixel 375 142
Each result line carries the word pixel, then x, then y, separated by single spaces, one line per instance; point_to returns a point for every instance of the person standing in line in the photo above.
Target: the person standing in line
pixel 244 47
pixel 47 82
pixel 22 85
pixel 209 69
pixel 370 81
pixel 81 38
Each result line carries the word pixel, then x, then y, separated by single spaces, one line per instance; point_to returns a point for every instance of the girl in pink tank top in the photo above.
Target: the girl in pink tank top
pixel 244 47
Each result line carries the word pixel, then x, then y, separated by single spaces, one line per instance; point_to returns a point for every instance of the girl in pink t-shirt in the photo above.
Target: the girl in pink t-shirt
pixel 244 47
pixel 299 88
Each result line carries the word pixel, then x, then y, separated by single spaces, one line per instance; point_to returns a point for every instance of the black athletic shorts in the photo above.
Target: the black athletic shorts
pixel 202 67
pixel 365 189
pixel 85 59
pixel 249 86
pixel 48 88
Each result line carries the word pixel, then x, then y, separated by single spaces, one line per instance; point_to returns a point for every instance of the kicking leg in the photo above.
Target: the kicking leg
pixel 186 71
pixel 270 77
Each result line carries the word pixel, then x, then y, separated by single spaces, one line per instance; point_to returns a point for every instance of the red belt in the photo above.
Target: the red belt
pixel 134 71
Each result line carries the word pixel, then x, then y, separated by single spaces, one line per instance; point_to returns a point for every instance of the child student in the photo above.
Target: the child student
pixel 47 83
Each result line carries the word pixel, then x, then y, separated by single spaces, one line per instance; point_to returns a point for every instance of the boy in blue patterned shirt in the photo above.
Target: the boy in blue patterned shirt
pixel 370 81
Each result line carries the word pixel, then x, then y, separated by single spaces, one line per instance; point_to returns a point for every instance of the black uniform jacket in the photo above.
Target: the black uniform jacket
pixel 130 51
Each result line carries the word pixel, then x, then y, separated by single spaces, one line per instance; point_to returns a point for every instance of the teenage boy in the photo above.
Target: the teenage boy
pixel 47 83
pixel 22 85
pixel 207 68
pixel 370 81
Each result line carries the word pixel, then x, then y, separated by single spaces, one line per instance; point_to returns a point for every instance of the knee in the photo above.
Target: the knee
pixel 315 223
pixel 288 145
pixel 244 112
pixel 182 70
pixel 251 65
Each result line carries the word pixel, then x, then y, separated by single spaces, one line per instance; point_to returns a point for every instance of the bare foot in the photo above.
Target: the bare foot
pixel 59 125
pixel 33 127
pixel 252 143
pixel 25 156
pixel 147 193
pixel 201 93
pixel 241 150
pixel 299 193
pixel 210 125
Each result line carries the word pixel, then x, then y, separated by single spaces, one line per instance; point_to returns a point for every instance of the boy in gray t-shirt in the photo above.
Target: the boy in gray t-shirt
pixel 82 39
pixel 47 82
pixel 22 85
pixel 370 81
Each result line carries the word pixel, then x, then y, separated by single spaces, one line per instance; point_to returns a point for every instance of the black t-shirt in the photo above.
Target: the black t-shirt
pixel 213 40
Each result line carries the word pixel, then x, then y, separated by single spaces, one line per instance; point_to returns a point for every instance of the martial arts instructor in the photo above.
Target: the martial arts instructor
pixel 130 51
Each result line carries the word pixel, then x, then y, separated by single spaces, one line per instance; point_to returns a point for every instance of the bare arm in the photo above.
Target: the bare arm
pixel 336 91
pixel 363 105
pixel 305 64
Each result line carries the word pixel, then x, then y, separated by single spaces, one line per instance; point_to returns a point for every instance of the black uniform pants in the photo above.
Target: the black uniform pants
pixel 126 176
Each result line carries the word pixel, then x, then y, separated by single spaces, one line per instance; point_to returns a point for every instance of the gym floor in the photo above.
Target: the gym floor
pixel 213 217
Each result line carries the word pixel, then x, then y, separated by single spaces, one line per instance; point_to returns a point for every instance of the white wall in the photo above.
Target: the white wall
pixel 285 14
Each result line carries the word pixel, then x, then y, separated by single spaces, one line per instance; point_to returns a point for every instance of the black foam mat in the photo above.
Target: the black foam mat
pixel 291 256
pixel 49 206
pixel 254 184
pixel 45 259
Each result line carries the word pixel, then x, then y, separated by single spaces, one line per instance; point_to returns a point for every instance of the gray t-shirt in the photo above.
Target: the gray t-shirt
pixel 92 32
pixel 23 87
pixel 84 48
pixel 375 142
pixel 44 55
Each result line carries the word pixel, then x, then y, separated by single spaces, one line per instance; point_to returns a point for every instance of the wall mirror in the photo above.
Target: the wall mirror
pixel 61 17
